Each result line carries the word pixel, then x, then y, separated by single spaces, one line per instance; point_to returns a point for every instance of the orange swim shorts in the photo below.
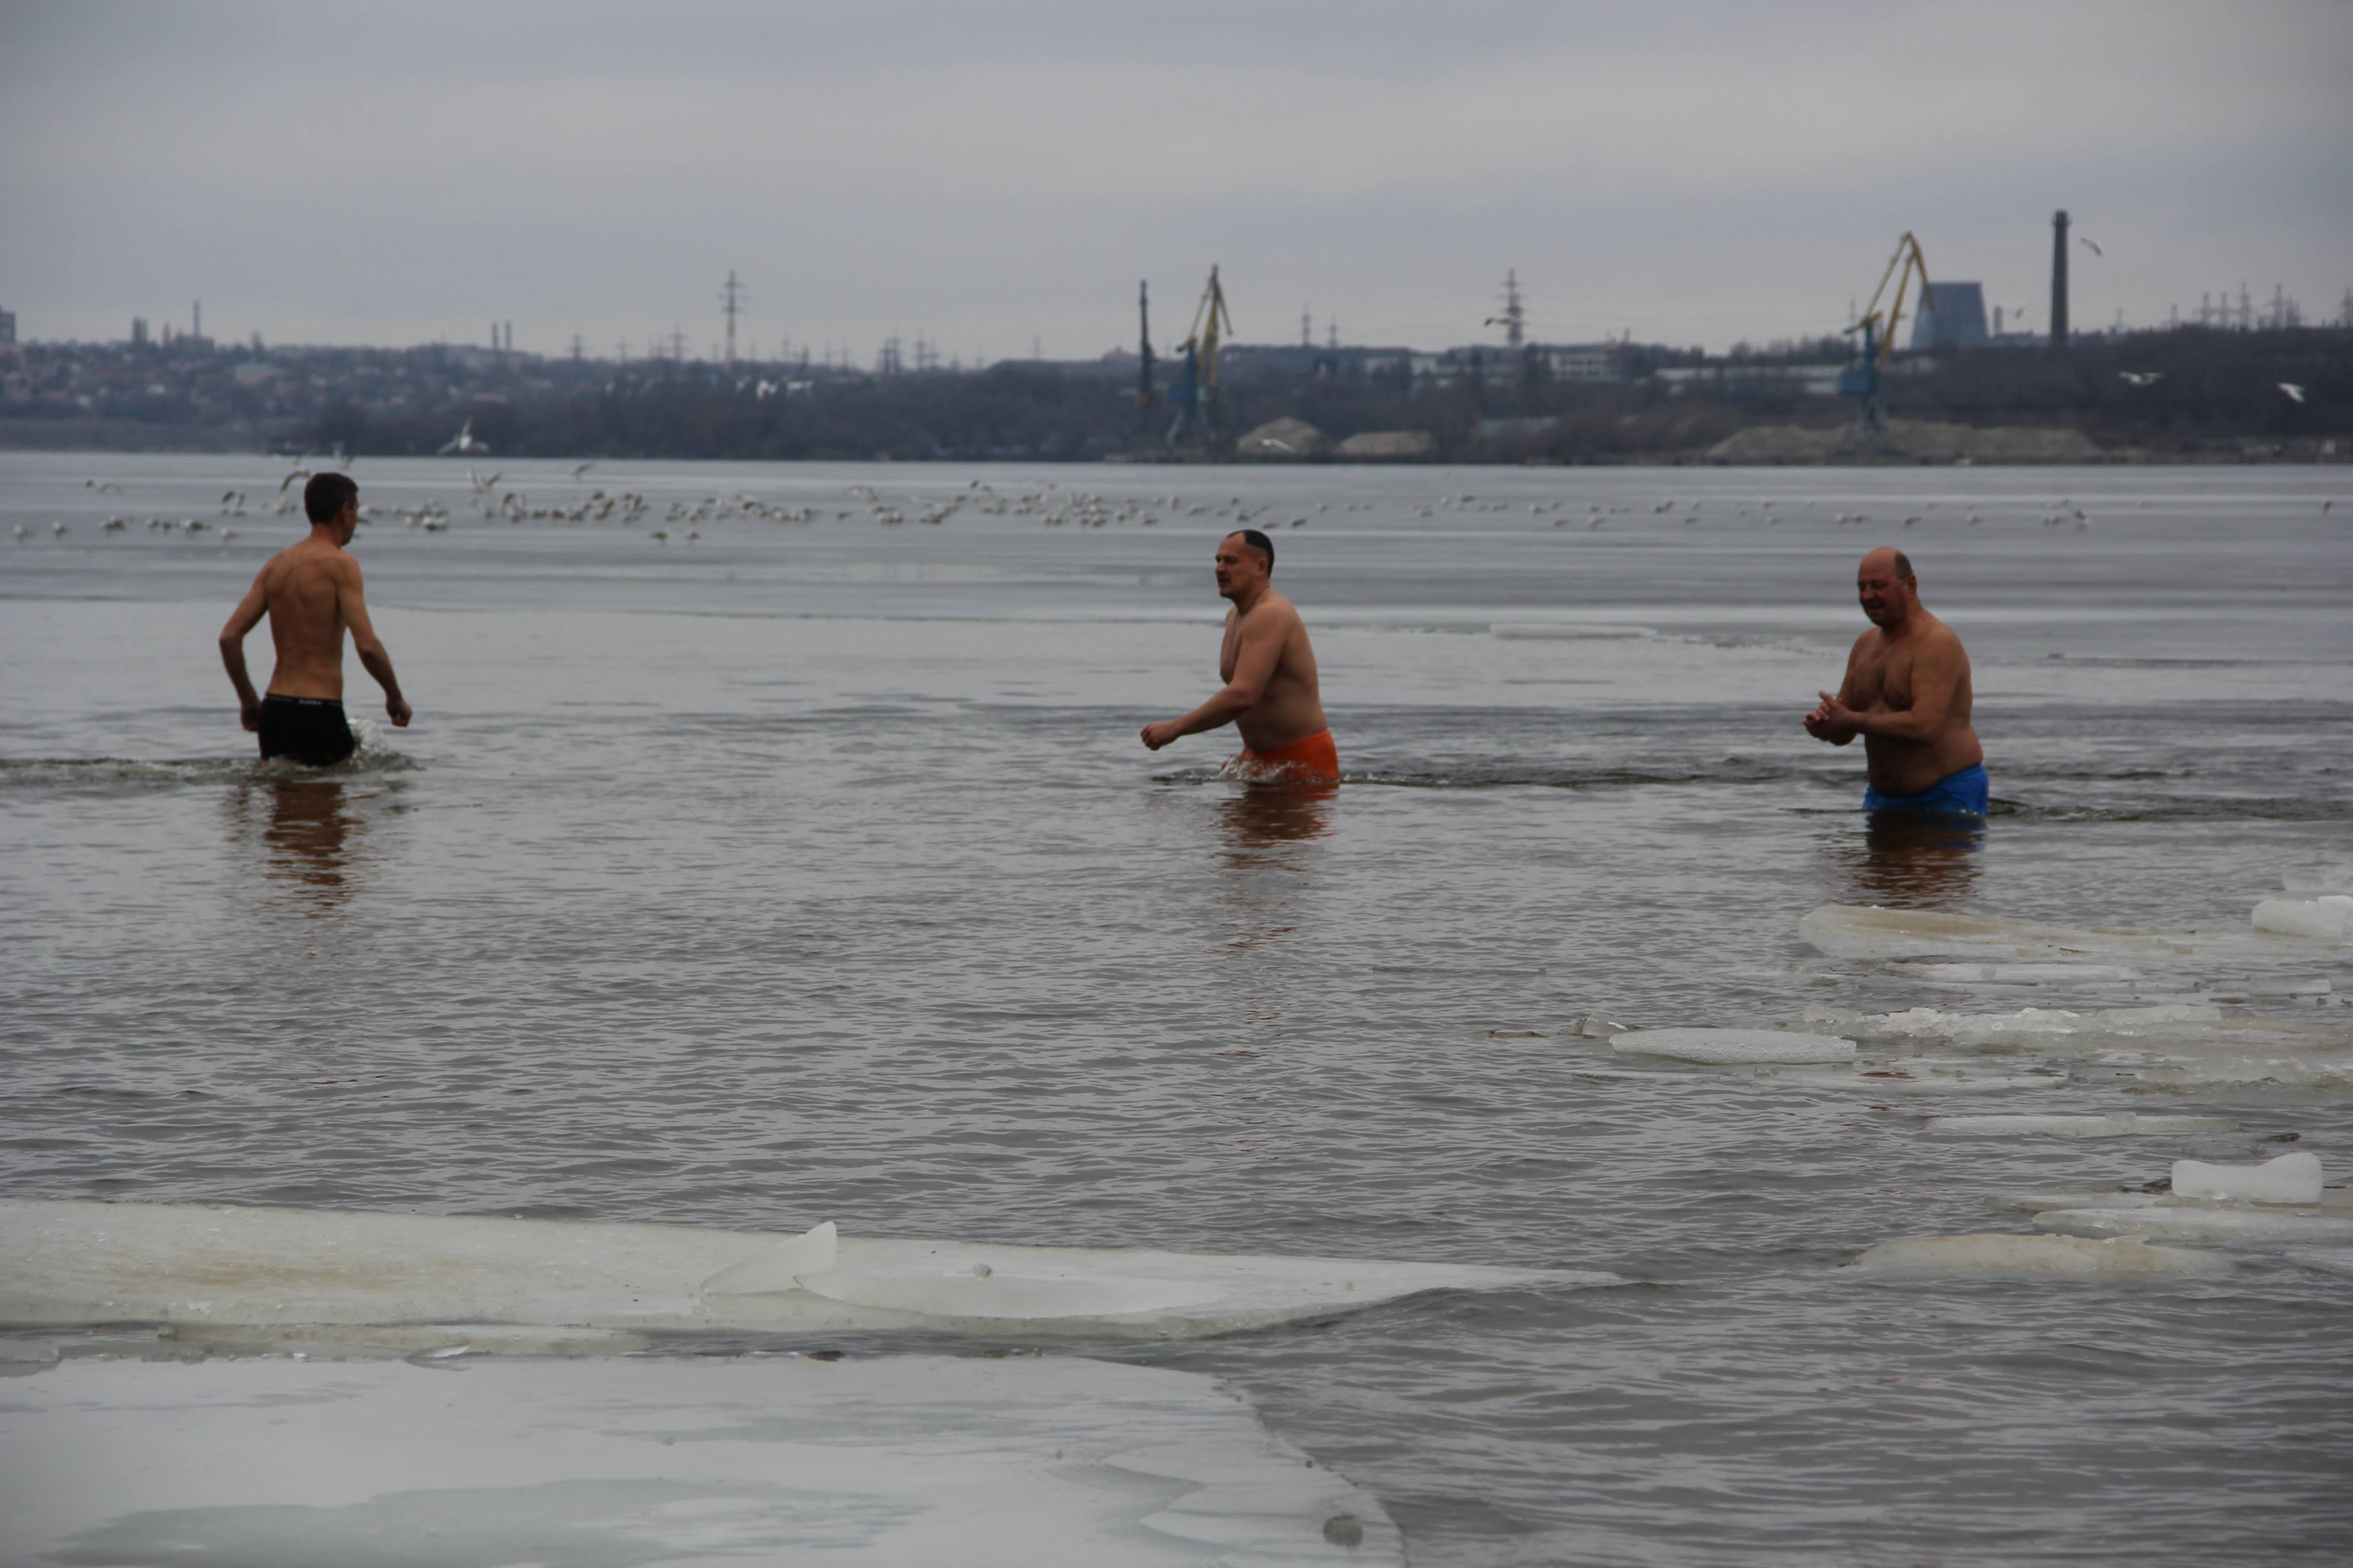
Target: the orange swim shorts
pixel 1314 760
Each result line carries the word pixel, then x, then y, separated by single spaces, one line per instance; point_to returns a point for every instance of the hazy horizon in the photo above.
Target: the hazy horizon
pixel 992 179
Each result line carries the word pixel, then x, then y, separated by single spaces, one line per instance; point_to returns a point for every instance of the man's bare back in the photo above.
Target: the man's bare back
pixel 1906 690
pixel 1271 692
pixel 312 594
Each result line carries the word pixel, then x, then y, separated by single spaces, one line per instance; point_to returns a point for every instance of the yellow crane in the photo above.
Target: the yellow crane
pixel 1863 378
pixel 1196 392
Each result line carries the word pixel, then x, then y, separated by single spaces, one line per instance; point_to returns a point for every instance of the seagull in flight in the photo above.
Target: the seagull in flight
pixel 2142 377
pixel 2295 392
pixel 2088 243
pixel 463 441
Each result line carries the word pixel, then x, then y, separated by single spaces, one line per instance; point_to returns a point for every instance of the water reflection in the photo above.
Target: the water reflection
pixel 1912 861
pixel 1267 861
pixel 309 831
pixel 1258 823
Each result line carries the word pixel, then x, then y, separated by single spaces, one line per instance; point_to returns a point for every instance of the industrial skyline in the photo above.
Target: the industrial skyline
pixel 995 179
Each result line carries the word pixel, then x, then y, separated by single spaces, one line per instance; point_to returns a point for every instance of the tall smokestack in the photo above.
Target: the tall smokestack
pixel 2059 281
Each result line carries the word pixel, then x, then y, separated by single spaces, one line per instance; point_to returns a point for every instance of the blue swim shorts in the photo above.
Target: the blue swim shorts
pixel 1962 793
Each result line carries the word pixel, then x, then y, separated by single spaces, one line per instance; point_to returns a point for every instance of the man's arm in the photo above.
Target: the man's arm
pixel 1833 718
pixel 1254 666
pixel 1936 678
pixel 353 601
pixel 243 619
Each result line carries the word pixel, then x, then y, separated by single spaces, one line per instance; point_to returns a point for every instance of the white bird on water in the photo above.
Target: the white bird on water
pixel 2295 392
pixel 2142 377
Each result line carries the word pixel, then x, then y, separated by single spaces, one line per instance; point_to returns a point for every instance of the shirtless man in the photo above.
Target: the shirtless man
pixel 1907 695
pixel 311 591
pixel 1270 694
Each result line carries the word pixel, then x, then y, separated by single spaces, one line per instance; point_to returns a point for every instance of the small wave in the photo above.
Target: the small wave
pixel 108 774
pixel 1519 776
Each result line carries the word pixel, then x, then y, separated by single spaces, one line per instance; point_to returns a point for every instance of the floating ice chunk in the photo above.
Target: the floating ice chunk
pixel 896 1459
pixel 1725 1047
pixel 2065 1257
pixel 2290 1179
pixel 2021 974
pixel 2114 1124
pixel 2328 918
pixel 96 1263
pixel 1911 1079
pixel 2201 1222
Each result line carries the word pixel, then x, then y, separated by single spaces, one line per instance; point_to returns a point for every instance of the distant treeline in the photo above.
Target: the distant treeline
pixel 2192 392
pixel 2211 391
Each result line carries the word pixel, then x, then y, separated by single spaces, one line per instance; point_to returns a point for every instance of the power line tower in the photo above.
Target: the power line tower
pixel 731 302
pixel 1333 342
pixel 677 344
pixel 1515 317
pixel 1307 329
pixel 579 349
pixel 888 362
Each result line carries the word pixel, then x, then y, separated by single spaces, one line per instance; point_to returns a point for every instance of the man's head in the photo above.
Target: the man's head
pixel 326 497
pixel 1884 585
pixel 1245 561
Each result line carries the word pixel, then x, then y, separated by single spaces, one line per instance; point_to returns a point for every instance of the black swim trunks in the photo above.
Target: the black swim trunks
pixel 308 729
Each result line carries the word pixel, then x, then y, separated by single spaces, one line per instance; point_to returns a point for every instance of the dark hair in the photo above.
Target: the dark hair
pixel 1258 542
pixel 324 498
pixel 1903 565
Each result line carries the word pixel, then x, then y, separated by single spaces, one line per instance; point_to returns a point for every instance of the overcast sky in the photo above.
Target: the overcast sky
pixel 991 175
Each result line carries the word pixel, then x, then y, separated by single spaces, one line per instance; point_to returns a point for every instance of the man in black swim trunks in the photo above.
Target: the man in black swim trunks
pixel 311 591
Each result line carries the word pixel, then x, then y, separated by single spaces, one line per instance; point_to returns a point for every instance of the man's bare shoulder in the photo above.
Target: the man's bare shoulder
pixel 1275 610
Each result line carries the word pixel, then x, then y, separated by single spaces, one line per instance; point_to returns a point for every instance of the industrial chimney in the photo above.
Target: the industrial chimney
pixel 2059 282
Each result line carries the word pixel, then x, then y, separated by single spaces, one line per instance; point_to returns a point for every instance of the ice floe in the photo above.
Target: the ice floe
pixel 2019 974
pixel 2289 1179
pixel 2325 918
pixel 98 1263
pixel 2059 1255
pixel 898 1459
pixel 1722 1046
pixel 2114 1124
pixel 2201 1222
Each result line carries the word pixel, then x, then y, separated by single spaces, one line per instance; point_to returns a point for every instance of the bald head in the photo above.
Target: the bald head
pixel 1885 587
pixel 1888 561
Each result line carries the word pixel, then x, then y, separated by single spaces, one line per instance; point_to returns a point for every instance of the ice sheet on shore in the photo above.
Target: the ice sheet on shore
pixel 1724 1047
pixel 98 1263
pixel 895 1461
pixel 2203 1222
pixel 2059 1255
pixel 2114 1124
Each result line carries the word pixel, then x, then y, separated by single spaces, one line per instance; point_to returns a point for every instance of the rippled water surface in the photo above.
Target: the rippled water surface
pixel 811 870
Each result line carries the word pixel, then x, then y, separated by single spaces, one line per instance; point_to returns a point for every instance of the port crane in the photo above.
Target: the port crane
pixel 1866 377
pixel 1197 394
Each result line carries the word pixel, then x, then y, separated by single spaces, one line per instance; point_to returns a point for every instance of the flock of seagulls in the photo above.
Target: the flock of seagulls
pixel 1050 503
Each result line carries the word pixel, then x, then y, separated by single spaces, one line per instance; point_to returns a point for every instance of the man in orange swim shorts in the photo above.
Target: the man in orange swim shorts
pixel 1270 694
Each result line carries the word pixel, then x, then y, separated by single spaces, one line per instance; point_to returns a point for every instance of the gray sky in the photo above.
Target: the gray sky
pixel 990 173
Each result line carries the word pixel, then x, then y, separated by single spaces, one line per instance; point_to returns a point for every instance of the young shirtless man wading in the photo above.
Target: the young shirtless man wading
pixel 1907 694
pixel 311 591
pixel 1269 692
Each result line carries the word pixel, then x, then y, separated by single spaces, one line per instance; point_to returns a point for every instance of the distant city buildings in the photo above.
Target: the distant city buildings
pixel 1957 319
